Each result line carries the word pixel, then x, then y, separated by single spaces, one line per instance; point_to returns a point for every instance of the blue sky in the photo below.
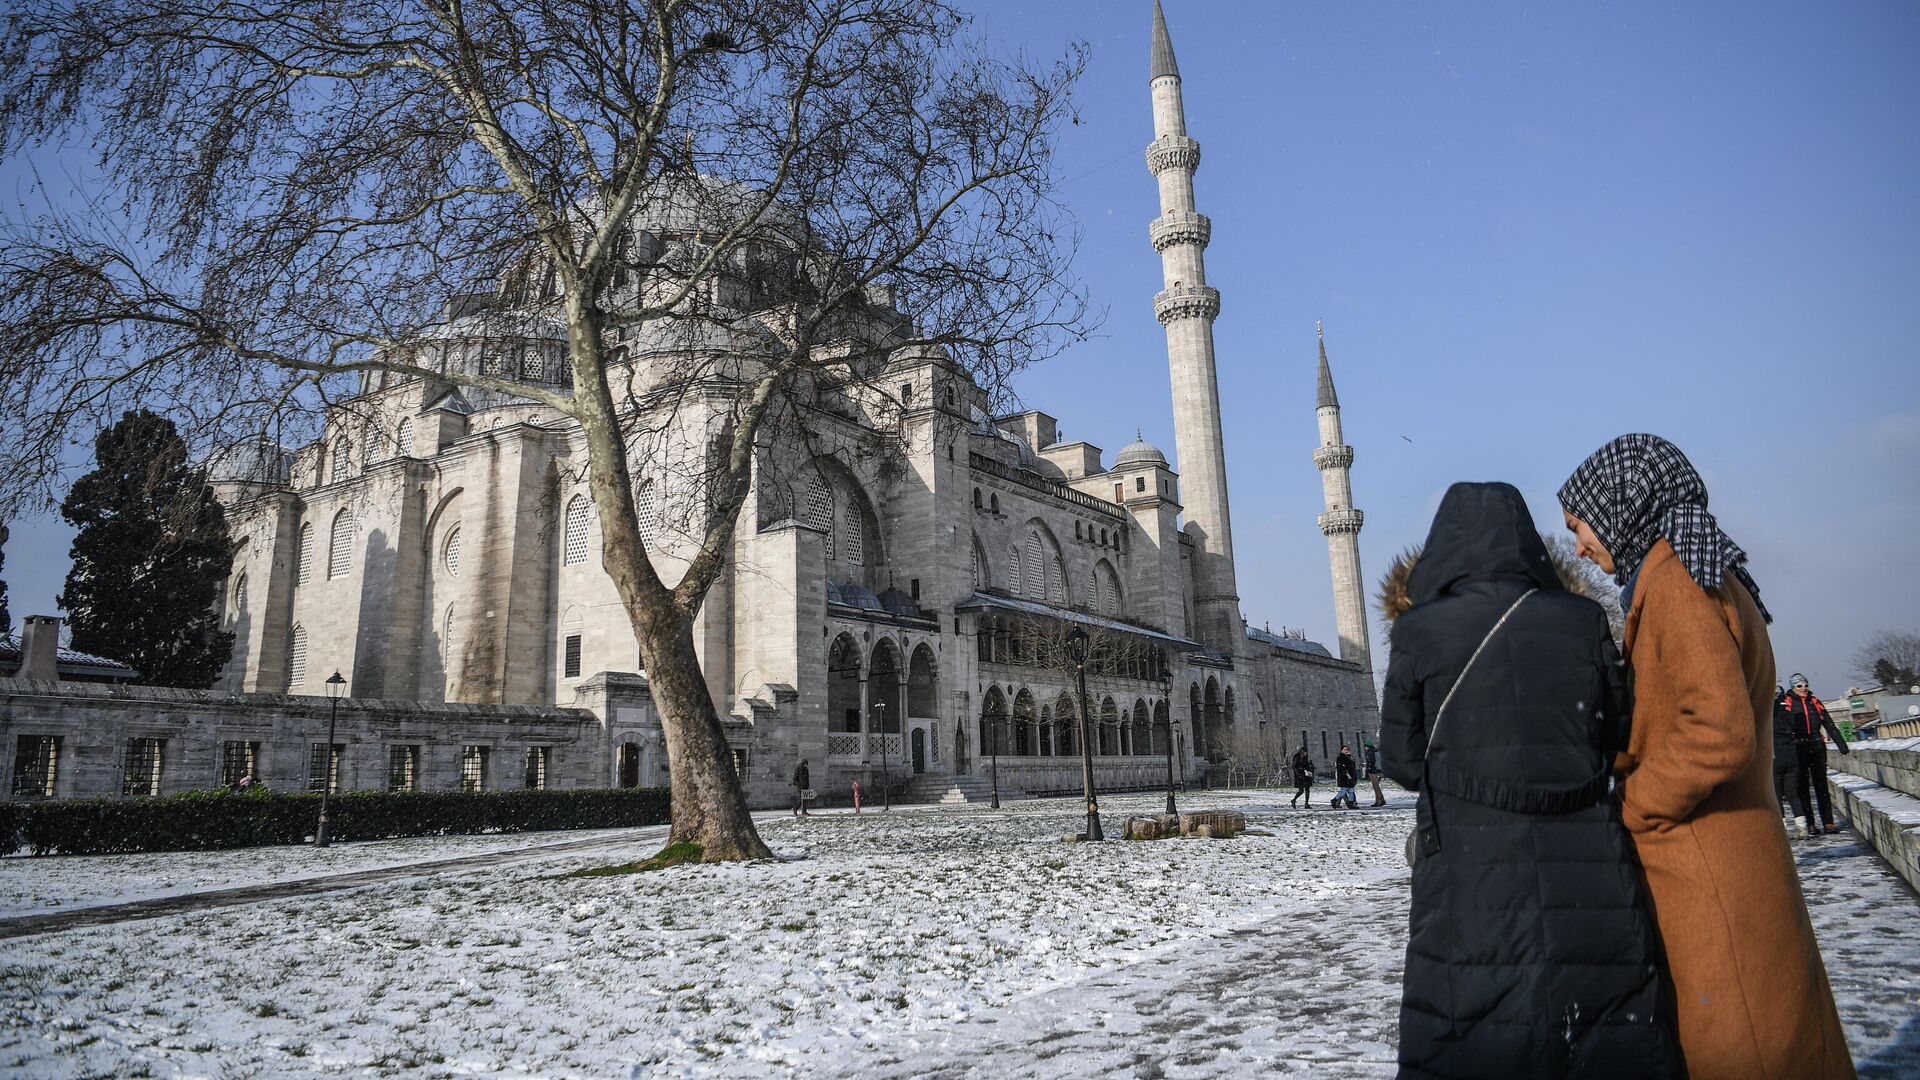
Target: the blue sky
pixel 1529 228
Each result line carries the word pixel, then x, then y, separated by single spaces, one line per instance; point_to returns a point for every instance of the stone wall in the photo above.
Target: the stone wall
pixel 95 725
pixel 1880 795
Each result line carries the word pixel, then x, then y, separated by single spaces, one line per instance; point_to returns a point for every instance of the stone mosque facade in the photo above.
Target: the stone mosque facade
pixel 438 547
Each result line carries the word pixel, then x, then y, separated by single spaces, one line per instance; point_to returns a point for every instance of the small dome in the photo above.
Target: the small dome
pixel 1137 452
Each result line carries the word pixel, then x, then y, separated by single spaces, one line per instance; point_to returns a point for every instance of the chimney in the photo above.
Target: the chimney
pixel 40 648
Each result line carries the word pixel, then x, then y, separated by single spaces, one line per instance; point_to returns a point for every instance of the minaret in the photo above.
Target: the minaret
pixel 1341 523
pixel 1186 307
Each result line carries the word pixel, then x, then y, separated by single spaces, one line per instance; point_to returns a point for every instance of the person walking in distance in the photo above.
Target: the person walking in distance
pixel 1302 778
pixel 802 781
pixel 1788 785
pixel 1530 948
pixel 1345 776
pixel 1810 724
pixel 1696 794
pixel 1373 772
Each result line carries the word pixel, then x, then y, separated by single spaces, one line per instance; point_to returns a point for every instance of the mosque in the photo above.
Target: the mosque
pixel 901 564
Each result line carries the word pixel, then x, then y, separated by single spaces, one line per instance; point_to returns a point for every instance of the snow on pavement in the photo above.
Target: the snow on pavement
pixel 936 941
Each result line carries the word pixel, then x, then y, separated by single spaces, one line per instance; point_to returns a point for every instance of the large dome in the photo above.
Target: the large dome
pixel 1139 452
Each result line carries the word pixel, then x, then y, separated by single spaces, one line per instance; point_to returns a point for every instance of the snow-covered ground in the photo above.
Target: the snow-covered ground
pixel 948 941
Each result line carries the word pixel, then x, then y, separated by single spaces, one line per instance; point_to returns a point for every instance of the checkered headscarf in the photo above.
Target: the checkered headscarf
pixel 1638 489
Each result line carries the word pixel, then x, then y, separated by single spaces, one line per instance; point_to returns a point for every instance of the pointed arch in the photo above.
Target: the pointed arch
pixel 403 437
pixel 574 533
pixel 843 684
pixel 646 513
pixel 1106 599
pixel 340 458
pixel 982 574
pixel 340 541
pixel 1016 583
pixel 886 682
pixel 303 555
pixel 922 683
pixel 820 510
pixel 296 657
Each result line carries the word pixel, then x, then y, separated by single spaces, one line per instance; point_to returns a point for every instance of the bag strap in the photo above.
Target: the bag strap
pixel 1448 700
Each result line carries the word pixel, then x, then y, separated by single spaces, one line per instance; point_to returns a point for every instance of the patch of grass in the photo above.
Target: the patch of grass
pixel 793 927
pixel 671 855
pixel 266 1010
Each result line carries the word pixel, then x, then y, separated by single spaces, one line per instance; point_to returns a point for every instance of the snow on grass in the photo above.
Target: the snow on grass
pixel 32 885
pixel 931 941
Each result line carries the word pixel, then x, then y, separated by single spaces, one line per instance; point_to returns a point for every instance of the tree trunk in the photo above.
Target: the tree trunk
pixel 709 803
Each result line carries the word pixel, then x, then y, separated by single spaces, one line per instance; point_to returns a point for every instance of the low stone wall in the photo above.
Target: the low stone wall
pixel 1880 795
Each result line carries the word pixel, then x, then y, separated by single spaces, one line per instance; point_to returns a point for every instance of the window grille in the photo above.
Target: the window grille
pixel 453 550
pixel 297 657
pixel 976 566
pixel 576 531
pixel 820 511
pixel 473 768
pixel 646 514
pixel 1035 585
pixel 240 596
pixel 1015 581
pixel 340 545
pixel 1139 483
pixel 144 758
pixel 403 767
pixel 533 773
pixel 403 437
pixel 341 458
pixel 237 762
pixel 570 668
pixel 323 767
pixel 36 762
pixel 1057 582
pixel 303 564
pixel 532 366
pixel 446 641
pixel 856 541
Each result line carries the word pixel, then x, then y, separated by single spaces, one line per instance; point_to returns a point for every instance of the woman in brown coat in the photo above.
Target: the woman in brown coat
pixel 1750 989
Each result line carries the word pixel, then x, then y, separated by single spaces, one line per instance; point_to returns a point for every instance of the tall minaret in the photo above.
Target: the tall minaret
pixel 1341 523
pixel 1186 307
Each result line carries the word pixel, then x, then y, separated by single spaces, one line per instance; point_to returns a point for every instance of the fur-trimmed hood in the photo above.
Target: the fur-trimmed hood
pixel 1395 600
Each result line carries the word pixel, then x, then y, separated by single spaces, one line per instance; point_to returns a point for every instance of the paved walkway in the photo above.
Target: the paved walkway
pixel 54 922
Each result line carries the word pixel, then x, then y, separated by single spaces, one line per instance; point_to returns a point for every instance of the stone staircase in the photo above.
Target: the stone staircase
pixel 942 788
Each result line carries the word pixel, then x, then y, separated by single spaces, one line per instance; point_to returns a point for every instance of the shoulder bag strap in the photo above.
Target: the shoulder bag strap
pixel 1448 700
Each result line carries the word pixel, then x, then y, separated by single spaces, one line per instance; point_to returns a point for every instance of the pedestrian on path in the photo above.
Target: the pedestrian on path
pixel 1302 778
pixel 1751 992
pixel 1531 950
pixel 1807 718
pixel 1344 776
pixel 802 781
pixel 1373 772
pixel 1789 781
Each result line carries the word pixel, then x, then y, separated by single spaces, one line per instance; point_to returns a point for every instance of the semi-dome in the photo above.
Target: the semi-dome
pixel 1139 452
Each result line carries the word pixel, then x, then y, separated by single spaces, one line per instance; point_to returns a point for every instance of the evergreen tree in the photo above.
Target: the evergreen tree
pixel 149 557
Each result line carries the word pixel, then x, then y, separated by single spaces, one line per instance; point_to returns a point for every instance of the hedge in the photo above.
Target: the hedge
pixel 219 818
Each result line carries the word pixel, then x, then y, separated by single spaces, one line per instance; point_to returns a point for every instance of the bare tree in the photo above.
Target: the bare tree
pixel 291 191
pixel 1890 658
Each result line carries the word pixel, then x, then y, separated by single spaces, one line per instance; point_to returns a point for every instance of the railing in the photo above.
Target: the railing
pixel 1050 487
pixel 843 745
pixel 847 744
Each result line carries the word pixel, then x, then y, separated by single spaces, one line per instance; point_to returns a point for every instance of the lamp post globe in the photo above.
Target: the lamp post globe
pixel 1077 643
pixel 336 689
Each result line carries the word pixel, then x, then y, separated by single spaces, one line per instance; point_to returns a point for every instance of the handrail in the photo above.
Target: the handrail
pixel 1046 486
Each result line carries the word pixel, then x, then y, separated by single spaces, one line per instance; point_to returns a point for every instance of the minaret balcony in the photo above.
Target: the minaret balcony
pixel 1186 302
pixel 1341 521
pixel 1332 457
pixel 1173 152
pixel 1180 227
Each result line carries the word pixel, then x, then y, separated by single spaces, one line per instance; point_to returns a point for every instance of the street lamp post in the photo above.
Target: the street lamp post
pixel 886 797
pixel 336 686
pixel 993 753
pixel 1166 695
pixel 1077 651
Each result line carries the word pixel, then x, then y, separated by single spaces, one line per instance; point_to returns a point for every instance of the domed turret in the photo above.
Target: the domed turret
pixel 1139 452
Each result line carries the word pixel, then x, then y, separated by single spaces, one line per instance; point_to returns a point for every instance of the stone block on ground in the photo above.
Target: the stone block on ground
pixel 1220 823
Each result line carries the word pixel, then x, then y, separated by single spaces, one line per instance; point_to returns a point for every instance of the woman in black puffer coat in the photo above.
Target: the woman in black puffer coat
pixel 1531 950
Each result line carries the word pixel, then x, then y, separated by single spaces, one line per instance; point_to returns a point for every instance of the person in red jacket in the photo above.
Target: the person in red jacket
pixel 1807 717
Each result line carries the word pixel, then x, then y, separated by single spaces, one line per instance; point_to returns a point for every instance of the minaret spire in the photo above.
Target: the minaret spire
pixel 1186 306
pixel 1341 524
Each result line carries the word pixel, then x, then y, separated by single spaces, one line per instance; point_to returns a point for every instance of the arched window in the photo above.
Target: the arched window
pixel 1057 582
pixel 450 550
pixel 342 460
pixel 340 545
pixel 976 498
pixel 820 510
pixel 403 437
pixel 647 513
pixel 856 539
pixel 446 639
pixel 1035 584
pixel 303 558
pixel 993 502
pixel 1014 578
pixel 297 657
pixel 574 545
pixel 240 595
pixel 976 565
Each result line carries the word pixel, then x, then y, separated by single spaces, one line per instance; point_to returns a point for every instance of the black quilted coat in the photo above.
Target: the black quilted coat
pixel 1531 951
